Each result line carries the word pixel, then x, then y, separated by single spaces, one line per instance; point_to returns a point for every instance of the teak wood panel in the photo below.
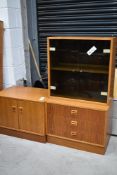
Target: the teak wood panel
pixel 32 117
pixel 112 68
pixel 76 144
pixel 48 56
pixel 8 113
pixel 78 103
pixel 81 38
pixel 24 93
pixel 86 125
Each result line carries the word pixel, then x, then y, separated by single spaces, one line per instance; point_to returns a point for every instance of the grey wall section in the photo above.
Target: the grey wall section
pixel 25 38
pixel 33 36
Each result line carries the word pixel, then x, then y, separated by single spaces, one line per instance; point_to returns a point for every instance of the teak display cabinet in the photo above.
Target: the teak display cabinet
pixel 81 78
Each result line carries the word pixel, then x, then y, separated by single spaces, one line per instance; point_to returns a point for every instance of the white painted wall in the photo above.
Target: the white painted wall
pixel 13 57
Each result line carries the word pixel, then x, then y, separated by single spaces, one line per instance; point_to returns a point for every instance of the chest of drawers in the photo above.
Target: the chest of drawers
pixel 78 127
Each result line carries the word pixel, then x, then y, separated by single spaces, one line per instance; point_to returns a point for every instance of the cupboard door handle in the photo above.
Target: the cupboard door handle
pixel 75 123
pixel 13 108
pixel 74 111
pixel 73 133
pixel 21 109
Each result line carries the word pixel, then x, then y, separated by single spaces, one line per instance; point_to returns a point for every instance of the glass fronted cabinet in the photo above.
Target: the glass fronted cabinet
pixel 79 68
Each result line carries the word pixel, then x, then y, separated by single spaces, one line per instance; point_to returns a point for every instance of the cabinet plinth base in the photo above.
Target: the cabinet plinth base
pixel 23 135
pixel 77 145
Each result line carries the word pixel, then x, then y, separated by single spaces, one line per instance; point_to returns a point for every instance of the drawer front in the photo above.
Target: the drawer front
pixel 90 126
pixel 56 119
pixel 76 123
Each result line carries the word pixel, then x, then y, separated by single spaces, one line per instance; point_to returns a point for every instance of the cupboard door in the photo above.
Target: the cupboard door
pixel 62 121
pixel 91 126
pixel 57 120
pixel 31 117
pixel 8 113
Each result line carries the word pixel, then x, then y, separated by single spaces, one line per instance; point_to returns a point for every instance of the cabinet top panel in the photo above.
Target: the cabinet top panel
pixel 24 93
pixel 78 103
pixel 82 38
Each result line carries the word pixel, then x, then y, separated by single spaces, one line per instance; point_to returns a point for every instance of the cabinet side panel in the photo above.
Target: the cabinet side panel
pixel 48 60
pixel 108 125
pixel 112 69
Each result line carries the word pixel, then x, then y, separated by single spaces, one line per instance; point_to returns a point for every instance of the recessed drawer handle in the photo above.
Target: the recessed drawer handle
pixel 14 108
pixel 75 123
pixel 73 133
pixel 74 111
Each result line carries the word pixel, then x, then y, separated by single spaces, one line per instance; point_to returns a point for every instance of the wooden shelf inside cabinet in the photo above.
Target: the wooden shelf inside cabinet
pixel 82 68
pixel 81 53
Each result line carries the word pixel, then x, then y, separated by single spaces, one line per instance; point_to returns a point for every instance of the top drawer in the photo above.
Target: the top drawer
pixel 70 112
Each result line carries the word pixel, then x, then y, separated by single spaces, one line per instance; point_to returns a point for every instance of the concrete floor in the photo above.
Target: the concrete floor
pixel 23 157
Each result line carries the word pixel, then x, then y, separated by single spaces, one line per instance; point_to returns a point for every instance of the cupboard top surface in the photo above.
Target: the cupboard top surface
pixel 24 93
pixel 33 94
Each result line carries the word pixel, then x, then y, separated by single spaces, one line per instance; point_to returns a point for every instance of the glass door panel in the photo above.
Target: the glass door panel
pixel 79 68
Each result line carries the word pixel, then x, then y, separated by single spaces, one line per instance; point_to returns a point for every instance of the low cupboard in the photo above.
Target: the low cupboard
pixel 23 112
